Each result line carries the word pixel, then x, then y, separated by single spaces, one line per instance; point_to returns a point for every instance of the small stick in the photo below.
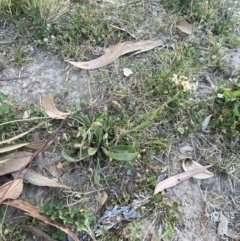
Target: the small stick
pixel 124 30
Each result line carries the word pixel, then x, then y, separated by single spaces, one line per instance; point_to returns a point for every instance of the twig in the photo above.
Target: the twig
pixel 124 30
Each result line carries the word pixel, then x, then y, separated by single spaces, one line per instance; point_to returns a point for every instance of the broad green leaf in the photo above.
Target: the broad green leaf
pixel 236 109
pixel 124 148
pixel 121 156
pixel 84 154
pixel 83 118
pixel 181 130
pixel 231 93
pixel 99 134
pixel 68 158
pixel 92 150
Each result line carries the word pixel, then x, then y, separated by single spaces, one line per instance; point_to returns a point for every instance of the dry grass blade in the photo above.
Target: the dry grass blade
pixel 50 11
pixel 11 190
pixel 51 110
pixel 38 179
pixel 116 51
pixel 34 212
pixel 12 147
pixel 173 181
pixel 15 162
pixel 22 134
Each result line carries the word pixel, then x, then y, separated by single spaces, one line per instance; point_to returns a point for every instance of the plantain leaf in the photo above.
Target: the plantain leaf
pixel 92 150
pixel 231 93
pixel 83 118
pixel 121 156
pixel 124 148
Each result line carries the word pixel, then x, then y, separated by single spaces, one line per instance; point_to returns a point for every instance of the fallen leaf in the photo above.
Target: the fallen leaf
pixel 34 212
pixel 41 145
pixel 37 179
pixel 15 162
pixel 53 170
pixel 236 70
pixel 205 123
pixel 116 51
pixel 184 26
pixel 12 147
pixel 36 231
pixel 127 72
pixel 22 134
pixel 101 198
pixel 50 108
pixel 174 180
pixel 189 164
pixel 11 190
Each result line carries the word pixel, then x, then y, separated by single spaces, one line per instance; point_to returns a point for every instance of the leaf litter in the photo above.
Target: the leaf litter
pixel 14 162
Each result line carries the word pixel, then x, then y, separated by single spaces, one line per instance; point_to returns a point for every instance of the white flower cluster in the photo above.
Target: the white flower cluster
pixel 183 83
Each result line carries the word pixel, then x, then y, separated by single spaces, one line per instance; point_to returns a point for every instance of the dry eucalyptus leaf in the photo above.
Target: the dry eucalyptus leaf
pixel 34 212
pixel 50 108
pixel 127 72
pixel 205 123
pixel 116 51
pixel 12 147
pixel 189 164
pixel 11 190
pixel 101 198
pixel 15 162
pixel 40 145
pixel 37 179
pixel 53 170
pixel 184 26
pixel 174 180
